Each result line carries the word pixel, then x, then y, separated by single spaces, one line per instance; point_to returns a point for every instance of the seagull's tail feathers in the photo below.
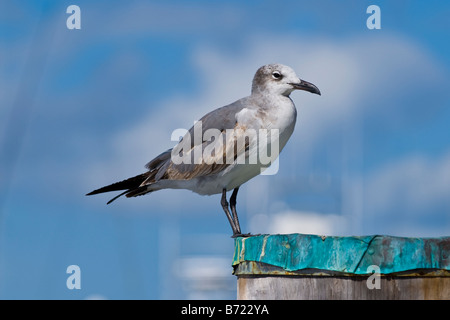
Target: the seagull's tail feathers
pixel 132 187
pixel 138 191
pixel 140 184
pixel 130 183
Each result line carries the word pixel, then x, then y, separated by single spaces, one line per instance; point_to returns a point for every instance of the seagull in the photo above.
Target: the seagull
pixel 209 158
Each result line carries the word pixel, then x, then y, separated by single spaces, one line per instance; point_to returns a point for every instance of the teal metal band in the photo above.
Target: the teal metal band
pixel 351 255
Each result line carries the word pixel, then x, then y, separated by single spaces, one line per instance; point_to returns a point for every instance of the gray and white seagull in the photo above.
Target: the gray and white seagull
pixel 204 165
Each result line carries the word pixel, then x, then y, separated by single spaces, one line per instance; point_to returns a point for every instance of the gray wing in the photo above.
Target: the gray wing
pixel 162 167
pixel 221 118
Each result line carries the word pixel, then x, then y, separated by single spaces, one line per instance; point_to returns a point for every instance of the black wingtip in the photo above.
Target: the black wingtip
pixel 128 184
pixel 97 191
pixel 117 196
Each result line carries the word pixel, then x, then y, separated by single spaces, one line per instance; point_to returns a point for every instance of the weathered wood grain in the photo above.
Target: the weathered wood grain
pixel 341 288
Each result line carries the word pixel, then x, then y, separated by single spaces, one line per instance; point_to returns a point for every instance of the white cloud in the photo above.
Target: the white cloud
pixel 289 221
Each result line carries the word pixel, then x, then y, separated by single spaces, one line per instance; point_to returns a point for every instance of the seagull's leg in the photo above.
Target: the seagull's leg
pixel 224 204
pixel 235 216
pixel 233 209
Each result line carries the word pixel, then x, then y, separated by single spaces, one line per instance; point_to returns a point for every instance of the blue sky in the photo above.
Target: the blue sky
pixel 80 109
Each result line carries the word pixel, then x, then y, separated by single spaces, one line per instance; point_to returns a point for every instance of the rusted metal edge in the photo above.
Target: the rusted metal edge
pixel 252 268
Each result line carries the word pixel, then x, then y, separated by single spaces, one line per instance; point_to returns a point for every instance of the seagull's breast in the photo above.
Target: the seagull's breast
pixel 285 117
pixel 279 113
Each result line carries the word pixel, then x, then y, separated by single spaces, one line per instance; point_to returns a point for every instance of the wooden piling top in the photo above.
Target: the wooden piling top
pixel 303 254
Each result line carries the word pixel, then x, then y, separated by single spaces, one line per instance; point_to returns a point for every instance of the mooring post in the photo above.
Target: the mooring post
pixel 298 266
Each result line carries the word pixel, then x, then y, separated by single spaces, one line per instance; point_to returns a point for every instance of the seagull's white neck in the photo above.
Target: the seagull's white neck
pixel 268 101
pixel 272 90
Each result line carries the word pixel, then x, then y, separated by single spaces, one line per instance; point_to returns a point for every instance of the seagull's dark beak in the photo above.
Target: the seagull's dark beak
pixel 306 86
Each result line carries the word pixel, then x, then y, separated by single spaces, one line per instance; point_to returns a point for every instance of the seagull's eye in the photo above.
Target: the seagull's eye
pixel 276 75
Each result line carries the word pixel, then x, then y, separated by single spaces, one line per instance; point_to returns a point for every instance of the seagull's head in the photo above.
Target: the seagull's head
pixel 280 79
